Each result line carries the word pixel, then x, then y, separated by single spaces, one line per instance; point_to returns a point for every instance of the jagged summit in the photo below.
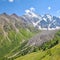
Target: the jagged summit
pixel 44 22
pixel 15 15
pixel 4 14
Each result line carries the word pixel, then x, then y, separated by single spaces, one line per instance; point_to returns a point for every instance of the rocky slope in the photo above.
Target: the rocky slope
pixel 42 37
pixel 13 32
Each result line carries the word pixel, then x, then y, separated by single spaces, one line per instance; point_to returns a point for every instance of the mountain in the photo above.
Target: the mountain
pixel 31 17
pixel 21 35
pixel 46 22
pixel 13 33
pixel 49 50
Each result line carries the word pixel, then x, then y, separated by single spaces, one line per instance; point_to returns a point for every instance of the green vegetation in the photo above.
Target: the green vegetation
pixel 14 46
pixel 13 41
pixel 47 51
pixel 50 54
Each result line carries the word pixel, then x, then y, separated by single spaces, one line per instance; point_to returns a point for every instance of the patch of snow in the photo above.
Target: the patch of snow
pixel 35 24
pixel 50 17
pixel 57 27
pixel 30 13
pixel 39 27
pixel 44 19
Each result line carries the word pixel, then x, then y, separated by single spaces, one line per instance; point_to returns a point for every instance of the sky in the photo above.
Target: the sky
pixel 38 6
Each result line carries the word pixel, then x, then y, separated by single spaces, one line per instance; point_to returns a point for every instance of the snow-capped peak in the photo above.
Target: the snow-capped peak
pixel 30 13
pixel 44 19
pixel 49 16
pixel 44 22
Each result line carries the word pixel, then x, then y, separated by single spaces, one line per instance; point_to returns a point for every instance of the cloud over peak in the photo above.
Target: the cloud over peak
pixel 30 10
pixel 49 8
pixel 11 0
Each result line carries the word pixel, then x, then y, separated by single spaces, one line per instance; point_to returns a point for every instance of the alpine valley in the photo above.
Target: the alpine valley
pixel 29 37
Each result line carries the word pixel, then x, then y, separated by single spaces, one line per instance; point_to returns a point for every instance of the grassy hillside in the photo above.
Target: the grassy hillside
pixel 15 36
pixel 14 33
pixel 13 40
pixel 50 54
pixel 48 51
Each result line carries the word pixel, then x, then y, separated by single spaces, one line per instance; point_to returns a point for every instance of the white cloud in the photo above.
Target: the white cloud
pixel 11 0
pixel 49 8
pixel 27 11
pixel 32 9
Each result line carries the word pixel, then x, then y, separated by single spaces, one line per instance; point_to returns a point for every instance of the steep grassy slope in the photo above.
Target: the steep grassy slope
pixel 48 51
pixel 15 41
pixel 26 48
pixel 51 54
